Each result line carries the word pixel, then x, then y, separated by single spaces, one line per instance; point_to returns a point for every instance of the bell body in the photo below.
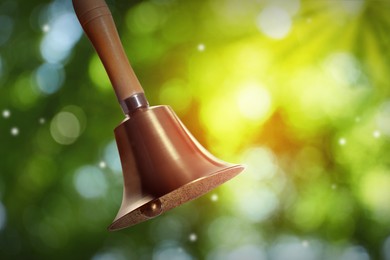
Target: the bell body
pixel 163 165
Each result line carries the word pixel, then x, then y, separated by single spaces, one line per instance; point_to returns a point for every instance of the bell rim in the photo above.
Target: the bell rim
pixel 177 197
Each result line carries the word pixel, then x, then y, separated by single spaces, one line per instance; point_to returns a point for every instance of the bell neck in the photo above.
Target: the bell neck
pixel 133 103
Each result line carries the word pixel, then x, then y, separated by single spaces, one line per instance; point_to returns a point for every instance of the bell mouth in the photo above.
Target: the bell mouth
pixel 183 194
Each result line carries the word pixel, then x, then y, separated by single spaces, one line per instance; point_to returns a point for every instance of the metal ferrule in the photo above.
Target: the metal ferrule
pixel 134 102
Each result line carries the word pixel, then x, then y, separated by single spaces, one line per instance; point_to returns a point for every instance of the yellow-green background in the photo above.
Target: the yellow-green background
pixel 298 91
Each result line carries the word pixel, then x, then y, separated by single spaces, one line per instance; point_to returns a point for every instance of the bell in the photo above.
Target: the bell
pixel 163 165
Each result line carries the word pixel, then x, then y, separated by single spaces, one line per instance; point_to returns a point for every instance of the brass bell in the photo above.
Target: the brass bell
pixel 163 165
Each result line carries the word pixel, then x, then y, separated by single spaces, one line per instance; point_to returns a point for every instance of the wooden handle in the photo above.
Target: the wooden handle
pixel 98 24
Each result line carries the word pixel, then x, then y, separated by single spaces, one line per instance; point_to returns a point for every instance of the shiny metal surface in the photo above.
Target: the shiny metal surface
pixel 134 102
pixel 163 166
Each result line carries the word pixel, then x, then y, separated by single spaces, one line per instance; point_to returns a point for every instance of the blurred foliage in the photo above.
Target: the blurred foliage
pixel 298 91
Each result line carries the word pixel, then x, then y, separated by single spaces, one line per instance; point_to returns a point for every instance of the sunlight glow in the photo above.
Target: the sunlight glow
pixel 274 22
pixel 353 7
pixel 291 6
pixel 254 102
pixel 295 91
pixel 375 191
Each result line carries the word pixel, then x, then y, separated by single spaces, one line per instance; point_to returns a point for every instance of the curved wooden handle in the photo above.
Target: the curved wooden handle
pixel 98 24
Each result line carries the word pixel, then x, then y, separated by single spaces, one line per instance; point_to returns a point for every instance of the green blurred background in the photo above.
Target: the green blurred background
pixel 298 91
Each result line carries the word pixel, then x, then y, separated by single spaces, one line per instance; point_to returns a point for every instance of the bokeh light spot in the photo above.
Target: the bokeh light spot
pixel 102 164
pixel 46 28
pixel 376 134
pixel 201 47
pixel 254 102
pixel 98 74
pixel 14 131
pixel 1 67
pixel 342 141
pixel 176 94
pixel 6 28
pixel 111 157
pixel 224 124
pixel 375 191
pixel 274 22
pixel 65 128
pixel 386 248
pixel 297 91
pixel 383 118
pixel 57 43
pixel 171 228
pixel 291 248
pixel 90 182
pixel 49 78
pixel 3 216
pixel 25 92
pixel 144 18
pixel 6 113
pixel 355 253
pixel 247 252
pixel 231 232
pixel 257 204
pixel 291 6
pixel 192 237
pixel 170 250
pixel 113 254
pixel 343 67
pixel 260 163
pixel 353 7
